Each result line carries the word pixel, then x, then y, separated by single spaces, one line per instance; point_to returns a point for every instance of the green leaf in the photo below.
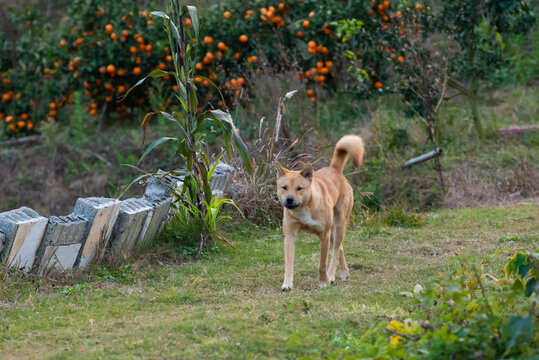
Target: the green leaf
pixel 518 330
pixel 157 73
pixel 194 18
pixel 134 86
pixel 155 144
pixel 530 287
pixel 136 180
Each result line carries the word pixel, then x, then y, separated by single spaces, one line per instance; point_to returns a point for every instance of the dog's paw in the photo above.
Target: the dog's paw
pixel 286 287
pixel 344 275
pixel 323 284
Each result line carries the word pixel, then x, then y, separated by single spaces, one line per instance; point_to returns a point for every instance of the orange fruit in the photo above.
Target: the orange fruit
pixel 52 113
pixel 386 4
pixel 93 112
pixel 198 80
pixel 306 23
pixel 311 44
pixel 418 6
pixel 329 64
pixel 310 92
pixel 10 118
pixel 109 28
pixel 222 46
pixel 162 66
pixel 132 49
pixel 137 70
pixel 52 105
pixel 280 6
pixel 400 59
pixel 62 43
pixel 399 14
pixel 121 89
pixel 148 47
pixel 6 97
pixel 199 66
pixel 111 68
pixel 21 124
pixel 188 22
pixel 378 84
pixel 108 98
pixel 311 14
pixel 242 81
pixel 237 56
pixel 311 50
pixel 168 58
pixel 175 88
pixel 244 38
pixel 227 15
pixel 30 125
pixel 207 40
pixel 79 41
pixel 113 36
pixel 300 34
pixel 12 128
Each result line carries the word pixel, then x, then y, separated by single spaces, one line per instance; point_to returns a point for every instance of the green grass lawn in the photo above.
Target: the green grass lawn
pixel 229 304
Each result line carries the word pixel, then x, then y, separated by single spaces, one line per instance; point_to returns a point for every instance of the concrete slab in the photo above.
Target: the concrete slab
pixel 155 220
pixel 2 240
pixel 61 231
pixel 58 258
pixel 221 178
pixel 161 185
pixel 23 229
pixel 131 225
pixel 102 214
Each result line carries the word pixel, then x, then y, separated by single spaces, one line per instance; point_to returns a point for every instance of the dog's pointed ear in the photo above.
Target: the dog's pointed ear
pixel 281 171
pixel 307 172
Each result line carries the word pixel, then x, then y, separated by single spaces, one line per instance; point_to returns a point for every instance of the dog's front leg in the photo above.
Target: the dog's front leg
pixel 290 234
pixel 324 250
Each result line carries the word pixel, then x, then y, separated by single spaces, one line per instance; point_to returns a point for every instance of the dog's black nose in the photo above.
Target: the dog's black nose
pixel 289 200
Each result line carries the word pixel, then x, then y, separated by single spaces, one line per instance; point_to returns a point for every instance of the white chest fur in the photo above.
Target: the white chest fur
pixel 304 218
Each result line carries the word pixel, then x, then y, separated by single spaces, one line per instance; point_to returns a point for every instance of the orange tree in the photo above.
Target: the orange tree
pixel 289 35
pixel 24 82
pixel 106 46
pixel 478 28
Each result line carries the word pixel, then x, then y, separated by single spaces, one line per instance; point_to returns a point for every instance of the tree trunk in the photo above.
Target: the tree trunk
pixel 475 112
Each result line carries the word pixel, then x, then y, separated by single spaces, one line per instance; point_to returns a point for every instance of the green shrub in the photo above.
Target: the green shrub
pixel 469 315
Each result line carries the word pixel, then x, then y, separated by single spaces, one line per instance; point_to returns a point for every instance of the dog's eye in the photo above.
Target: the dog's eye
pixel 285 187
pixel 299 188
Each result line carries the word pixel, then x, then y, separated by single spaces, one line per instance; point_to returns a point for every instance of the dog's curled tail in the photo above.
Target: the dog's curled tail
pixel 348 145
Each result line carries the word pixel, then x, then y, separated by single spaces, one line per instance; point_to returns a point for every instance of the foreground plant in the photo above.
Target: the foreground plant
pixel 195 198
pixel 470 315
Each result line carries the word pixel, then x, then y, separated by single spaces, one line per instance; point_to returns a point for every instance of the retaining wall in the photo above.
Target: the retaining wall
pixel 31 242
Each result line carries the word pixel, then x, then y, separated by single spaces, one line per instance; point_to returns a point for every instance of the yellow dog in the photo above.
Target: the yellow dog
pixel 319 202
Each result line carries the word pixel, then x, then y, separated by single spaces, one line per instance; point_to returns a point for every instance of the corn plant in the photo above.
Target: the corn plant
pixel 195 197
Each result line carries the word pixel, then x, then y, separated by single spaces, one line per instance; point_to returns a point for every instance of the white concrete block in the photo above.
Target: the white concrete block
pixel 131 225
pixel 58 258
pixel 155 220
pixel 102 214
pixel 23 230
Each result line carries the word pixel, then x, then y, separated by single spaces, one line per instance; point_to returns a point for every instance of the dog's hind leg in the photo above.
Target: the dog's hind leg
pixel 339 229
pixel 345 272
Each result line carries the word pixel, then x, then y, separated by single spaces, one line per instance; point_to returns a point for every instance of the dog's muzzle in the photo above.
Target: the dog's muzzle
pixel 289 203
